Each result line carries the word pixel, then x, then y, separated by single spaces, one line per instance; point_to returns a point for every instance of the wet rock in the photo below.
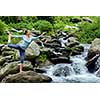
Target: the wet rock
pixel 60 60
pixel 40 70
pixel 94 48
pixel 91 64
pixel 77 50
pixel 97 64
pixel 63 71
pixel 98 73
pixel 27 77
pixel 13 68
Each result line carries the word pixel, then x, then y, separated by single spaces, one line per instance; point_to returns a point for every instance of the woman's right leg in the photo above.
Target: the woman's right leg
pixel 22 55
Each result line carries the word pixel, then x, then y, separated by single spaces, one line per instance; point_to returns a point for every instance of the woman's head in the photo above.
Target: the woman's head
pixel 27 32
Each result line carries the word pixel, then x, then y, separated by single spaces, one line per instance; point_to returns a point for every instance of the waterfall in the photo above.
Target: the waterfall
pixel 76 72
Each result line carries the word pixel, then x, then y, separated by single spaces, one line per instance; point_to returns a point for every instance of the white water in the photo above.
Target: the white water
pixel 75 72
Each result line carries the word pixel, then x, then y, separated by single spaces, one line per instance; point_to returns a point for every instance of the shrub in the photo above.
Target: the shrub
pixel 22 25
pixel 11 19
pixel 3 27
pixel 47 18
pixel 59 26
pixel 89 31
pixel 43 25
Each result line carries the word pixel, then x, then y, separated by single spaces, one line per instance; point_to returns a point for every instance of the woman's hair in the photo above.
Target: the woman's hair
pixel 25 32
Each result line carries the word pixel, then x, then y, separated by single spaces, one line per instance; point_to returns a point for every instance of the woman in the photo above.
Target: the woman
pixel 27 38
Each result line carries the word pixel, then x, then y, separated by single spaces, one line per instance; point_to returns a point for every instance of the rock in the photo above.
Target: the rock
pixel 94 48
pixel 60 60
pixel 72 39
pixel 1 45
pixel 97 64
pixel 97 73
pixel 91 64
pixel 7 49
pixel 66 71
pixel 40 64
pixel 72 44
pixel 13 68
pixel 77 50
pixel 87 20
pixel 31 52
pixel 5 59
pixel 52 45
pixel 27 77
pixel 8 53
pixel 63 51
pixel 75 20
pixel 40 70
pixel 62 70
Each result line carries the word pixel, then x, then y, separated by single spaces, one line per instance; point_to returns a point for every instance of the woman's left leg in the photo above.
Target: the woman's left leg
pixel 22 55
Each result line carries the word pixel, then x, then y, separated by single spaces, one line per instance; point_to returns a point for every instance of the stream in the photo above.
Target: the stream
pixel 76 72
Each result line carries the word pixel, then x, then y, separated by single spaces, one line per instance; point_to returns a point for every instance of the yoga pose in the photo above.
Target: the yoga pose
pixel 27 38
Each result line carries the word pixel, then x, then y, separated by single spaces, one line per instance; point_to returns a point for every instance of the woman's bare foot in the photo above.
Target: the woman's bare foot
pixel 21 68
pixel 9 38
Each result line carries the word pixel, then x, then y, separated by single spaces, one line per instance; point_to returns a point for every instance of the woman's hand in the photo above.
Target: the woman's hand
pixel 43 34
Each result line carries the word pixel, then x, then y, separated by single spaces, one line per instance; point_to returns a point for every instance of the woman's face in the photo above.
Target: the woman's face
pixel 28 32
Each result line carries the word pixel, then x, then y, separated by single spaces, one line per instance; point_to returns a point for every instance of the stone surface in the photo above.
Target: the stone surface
pixel 94 48
pixel 31 52
pixel 27 77
pixel 13 68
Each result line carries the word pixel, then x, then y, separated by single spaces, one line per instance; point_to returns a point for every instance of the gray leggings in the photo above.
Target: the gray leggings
pixel 21 51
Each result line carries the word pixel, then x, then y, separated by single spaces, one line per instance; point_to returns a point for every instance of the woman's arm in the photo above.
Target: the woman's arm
pixel 35 38
pixel 17 36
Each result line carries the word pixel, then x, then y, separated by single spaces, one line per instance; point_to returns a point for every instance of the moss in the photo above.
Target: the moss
pixel 42 57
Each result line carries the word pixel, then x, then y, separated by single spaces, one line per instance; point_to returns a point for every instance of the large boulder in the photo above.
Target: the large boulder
pixel 31 52
pixel 27 77
pixel 94 48
pixel 63 71
pixel 98 73
pixel 91 64
pixel 13 68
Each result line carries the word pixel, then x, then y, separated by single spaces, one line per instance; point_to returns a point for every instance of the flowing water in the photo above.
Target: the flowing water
pixel 76 72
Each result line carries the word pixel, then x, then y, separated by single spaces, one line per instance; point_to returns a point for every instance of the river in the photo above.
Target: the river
pixel 76 72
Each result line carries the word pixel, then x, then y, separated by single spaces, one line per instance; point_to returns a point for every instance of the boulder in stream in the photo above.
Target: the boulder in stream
pixel 94 48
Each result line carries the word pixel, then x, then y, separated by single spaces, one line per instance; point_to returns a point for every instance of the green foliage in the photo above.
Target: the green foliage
pixel 86 32
pixel 89 31
pixel 43 57
pixel 22 25
pixel 59 26
pixel 47 18
pixel 3 27
pixel 43 26
pixel 3 38
pixel 29 19
pixel 11 19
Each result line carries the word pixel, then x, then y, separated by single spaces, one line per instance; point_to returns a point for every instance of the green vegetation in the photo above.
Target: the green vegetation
pixel 43 25
pixel 84 30
pixel 42 57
